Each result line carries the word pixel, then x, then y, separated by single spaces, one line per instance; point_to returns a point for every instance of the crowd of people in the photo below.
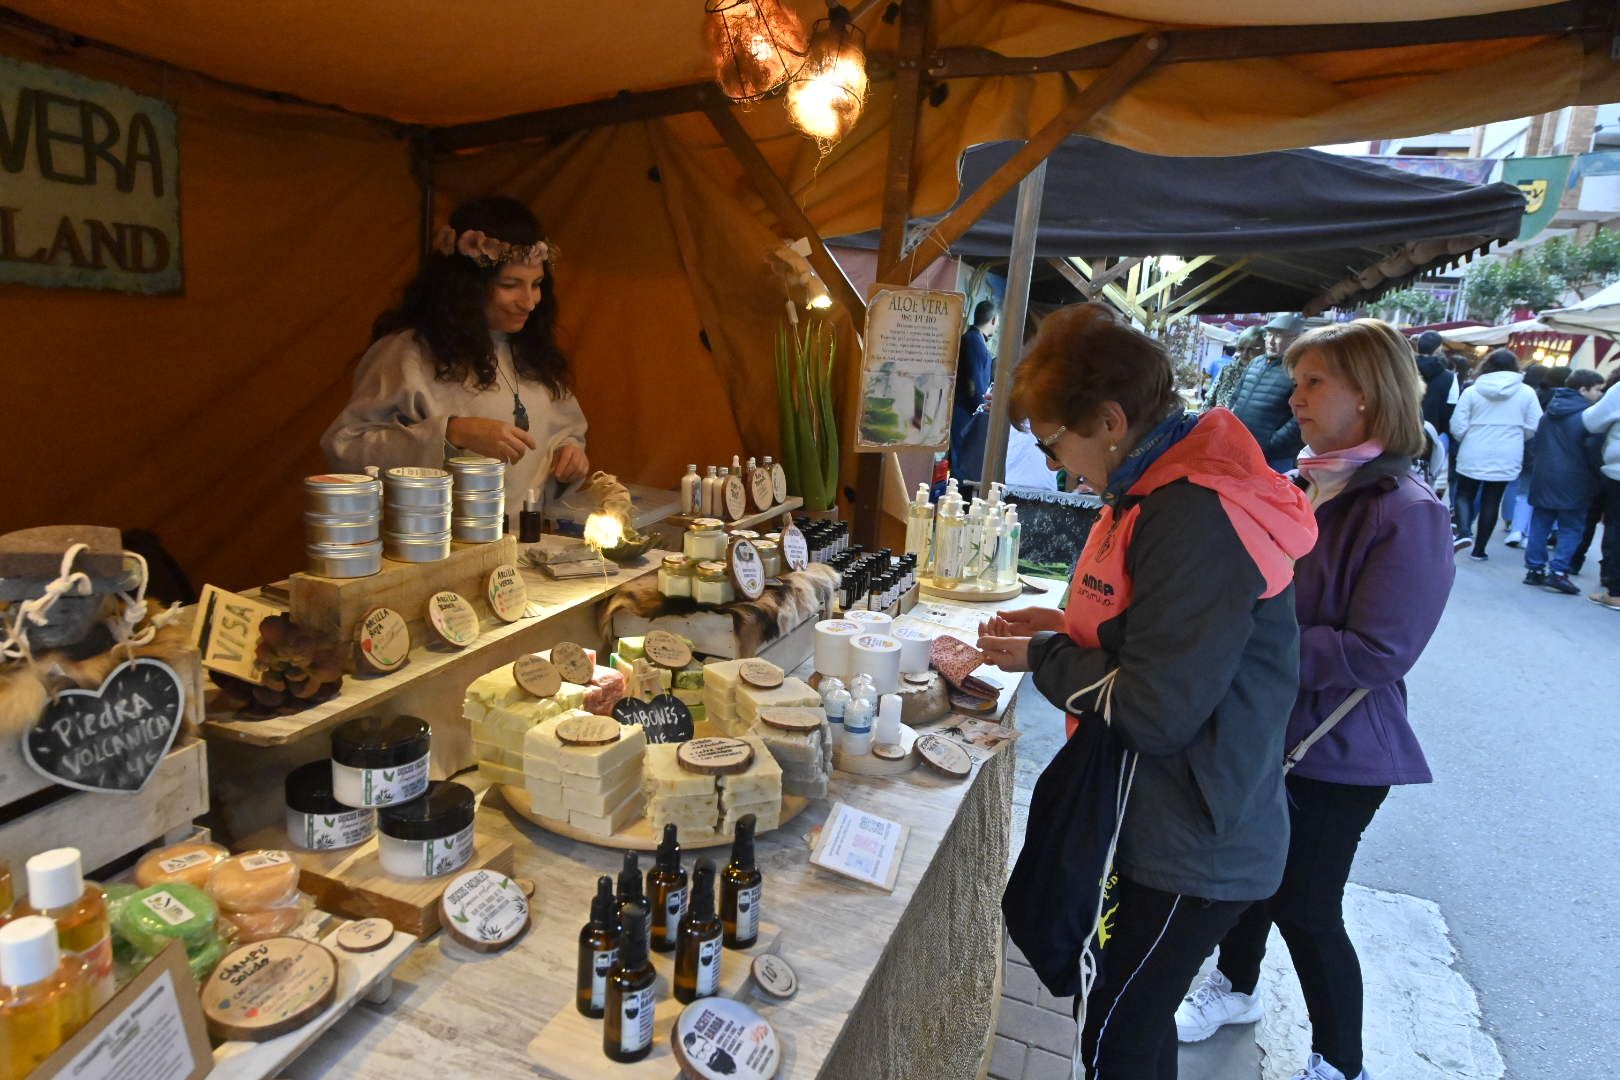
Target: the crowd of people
pixel 1232 656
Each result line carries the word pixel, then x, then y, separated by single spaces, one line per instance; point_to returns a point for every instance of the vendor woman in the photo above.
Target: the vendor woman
pixel 468 363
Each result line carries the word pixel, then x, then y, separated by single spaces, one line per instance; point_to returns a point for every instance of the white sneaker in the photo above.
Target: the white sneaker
pixel 1212 1006
pixel 1515 539
pixel 1317 1069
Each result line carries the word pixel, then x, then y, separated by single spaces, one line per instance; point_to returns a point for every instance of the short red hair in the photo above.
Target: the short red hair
pixel 1085 355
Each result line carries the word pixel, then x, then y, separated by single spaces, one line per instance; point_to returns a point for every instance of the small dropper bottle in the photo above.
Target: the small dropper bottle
pixel 698 949
pixel 666 892
pixel 627 1030
pixel 598 950
pixel 741 889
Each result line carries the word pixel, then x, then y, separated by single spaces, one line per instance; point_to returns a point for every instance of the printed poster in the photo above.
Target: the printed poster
pixel 908 375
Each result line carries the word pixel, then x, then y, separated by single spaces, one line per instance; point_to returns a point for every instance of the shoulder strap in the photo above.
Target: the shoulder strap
pixel 1322 729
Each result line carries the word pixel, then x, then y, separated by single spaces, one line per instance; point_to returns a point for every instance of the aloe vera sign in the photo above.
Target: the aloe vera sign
pixel 909 371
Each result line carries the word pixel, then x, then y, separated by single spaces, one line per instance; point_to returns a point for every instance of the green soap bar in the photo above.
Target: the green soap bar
pixel 206 957
pixel 154 915
pixel 689 678
pixel 691 697
pixel 632 648
pixel 699 712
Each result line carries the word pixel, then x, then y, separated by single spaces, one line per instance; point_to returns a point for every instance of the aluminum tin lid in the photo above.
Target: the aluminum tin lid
pixel 367 550
pixel 706 525
pixel 375 742
pixel 413 539
pixel 342 484
pixel 354 520
pixel 473 463
pixel 308 790
pixel 443 810
pixel 416 476
pixel 675 562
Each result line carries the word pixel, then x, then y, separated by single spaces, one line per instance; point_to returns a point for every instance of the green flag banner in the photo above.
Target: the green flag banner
pixel 1542 181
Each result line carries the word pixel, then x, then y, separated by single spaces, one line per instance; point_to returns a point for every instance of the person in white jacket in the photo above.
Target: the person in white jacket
pixel 1603 419
pixel 1494 418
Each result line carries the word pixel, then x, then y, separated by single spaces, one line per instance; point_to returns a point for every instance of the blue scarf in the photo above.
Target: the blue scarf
pixel 1171 430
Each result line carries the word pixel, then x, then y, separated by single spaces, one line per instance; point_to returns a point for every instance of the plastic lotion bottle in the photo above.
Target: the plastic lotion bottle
pixel 858 716
pixel 835 699
pixel 691 492
pixel 948 542
pixel 627 1033
pixel 666 892
pixel 710 494
pixel 886 731
pixel 920 526
pixel 697 950
pixel 598 950
pixel 741 889
pixel 1012 535
pixel 37 1011
pixel 58 891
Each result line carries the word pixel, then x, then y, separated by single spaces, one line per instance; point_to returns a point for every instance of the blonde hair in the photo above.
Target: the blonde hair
pixel 1373 357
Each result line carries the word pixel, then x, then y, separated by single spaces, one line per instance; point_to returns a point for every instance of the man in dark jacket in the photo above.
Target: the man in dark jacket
pixel 974 369
pixel 1564 482
pixel 1261 401
pixel 1440 390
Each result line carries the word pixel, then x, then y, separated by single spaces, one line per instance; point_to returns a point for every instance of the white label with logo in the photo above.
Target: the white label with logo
pixel 674 908
pixel 708 971
pixel 167 908
pixel 636 1020
pixel 748 912
pixel 264 860
pixel 450 853
pixel 602 962
pixel 184 862
pixel 383 787
pixel 326 832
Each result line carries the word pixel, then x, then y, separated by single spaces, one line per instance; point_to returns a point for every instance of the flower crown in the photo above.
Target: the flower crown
pixel 487 251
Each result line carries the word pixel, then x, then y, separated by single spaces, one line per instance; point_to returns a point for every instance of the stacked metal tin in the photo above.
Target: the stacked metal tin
pixel 480 499
pixel 416 514
pixel 341 512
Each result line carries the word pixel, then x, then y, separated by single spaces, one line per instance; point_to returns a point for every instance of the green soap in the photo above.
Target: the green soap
pixel 153 916
pixel 632 648
pixel 118 895
pixel 700 713
pixel 690 678
pixel 691 697
pixel 206 956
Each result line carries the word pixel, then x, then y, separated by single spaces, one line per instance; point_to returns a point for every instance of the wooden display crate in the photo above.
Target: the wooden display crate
pixel 713 634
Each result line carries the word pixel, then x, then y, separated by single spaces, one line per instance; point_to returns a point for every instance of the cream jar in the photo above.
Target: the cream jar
pixel 428 836
pixel 675 576
pixel 711 584
pixel 380 762
pixel 705 540
pixel 770 557
pixel 315 820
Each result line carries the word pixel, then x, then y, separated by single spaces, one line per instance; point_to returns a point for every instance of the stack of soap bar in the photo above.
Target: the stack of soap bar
pixel 632 648
pixel 677 796
pixel 606 690
pixel 757 791
pixel 793 693
pixel 805 756
pixel 720 683
pixel 596 789
pixel 499 714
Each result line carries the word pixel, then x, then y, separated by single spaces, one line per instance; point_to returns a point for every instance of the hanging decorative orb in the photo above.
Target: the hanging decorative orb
pixel 756 45
pixel 826 97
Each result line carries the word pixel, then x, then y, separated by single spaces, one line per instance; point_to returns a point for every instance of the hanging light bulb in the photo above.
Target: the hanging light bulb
pixel 756 45
pixel 826 96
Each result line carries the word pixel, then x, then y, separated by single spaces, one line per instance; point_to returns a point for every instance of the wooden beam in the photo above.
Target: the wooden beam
pixel 1109 291
pixel 1070 274
pixel 1169 280
pixel 1104 90
pixel 900 181
pixel 1120 268
pixel 788 213
pixel 622 108
pixel 1201 292
pixel 1251 42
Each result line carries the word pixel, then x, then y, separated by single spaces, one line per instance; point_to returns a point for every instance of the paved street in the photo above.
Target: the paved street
pixel 1494 891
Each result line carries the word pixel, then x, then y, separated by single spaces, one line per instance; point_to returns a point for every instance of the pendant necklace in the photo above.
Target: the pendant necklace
pixel 520 414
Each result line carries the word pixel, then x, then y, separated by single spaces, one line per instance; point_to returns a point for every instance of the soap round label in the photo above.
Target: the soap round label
pixel 760 673
pixel 367 935
pixel 453 618
pixel 484 909
pixel 716 1038
pixel 779 482
pixel 944 756
pixel 775 976
pixel 761 488
pixel 736 498
pixel 746 568
pixel 508 596
pixel 715 756
pixel 573 661
pixel 268 988
pixel 795 549
pixel 385 639
pixel 588 731
pixel 537 675
pixel 667 650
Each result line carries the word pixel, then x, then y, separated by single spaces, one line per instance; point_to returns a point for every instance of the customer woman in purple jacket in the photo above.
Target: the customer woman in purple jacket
pixel 1368 598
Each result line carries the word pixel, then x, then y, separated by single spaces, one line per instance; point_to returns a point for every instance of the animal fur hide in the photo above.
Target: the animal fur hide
pixel 803 594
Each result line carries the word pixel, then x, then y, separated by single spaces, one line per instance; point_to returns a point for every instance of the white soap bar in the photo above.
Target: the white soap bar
pixel 540 769
pixel 794 747
pixel 805 788
pixel 498 755
pixel 500 774
pixel 767 816
pixel 701 819
pixel 571 696
pixel 610 823
pixel 723 677
pixel 542 742
pixel 762 779
pixel 601 803
pixel 792 693
pixel 608 781
pixel 547 800
pixel 665 776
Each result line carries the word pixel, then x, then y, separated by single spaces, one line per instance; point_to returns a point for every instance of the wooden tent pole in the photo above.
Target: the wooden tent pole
pixel 900 178
pixel 1020 265
pixel 1103 91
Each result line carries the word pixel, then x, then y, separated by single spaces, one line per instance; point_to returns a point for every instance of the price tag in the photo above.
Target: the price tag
pixel 453 618
pixel 508 597
pixel 537 675
pixel 385 639
pixel 795 549
pixel 573 661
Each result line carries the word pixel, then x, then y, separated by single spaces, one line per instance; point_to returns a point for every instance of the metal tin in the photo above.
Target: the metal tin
pixel 345 495
pixel 478 530
pixel 416 548
pixel 417 521
pixel 413 485
pixel 334 529
pixel 480 504
pixel 345 560
pixel 473 473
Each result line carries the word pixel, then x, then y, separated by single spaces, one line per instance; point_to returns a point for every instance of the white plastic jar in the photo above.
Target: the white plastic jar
pixel 315 820
pixel 379 761
pixel 429 836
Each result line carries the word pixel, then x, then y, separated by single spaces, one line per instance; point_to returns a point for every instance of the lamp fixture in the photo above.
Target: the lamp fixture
pixel 756 45
pixel 825 98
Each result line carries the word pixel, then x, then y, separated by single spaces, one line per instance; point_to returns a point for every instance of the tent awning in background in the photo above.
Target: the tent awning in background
pixel 1597 314
pixel 1490 335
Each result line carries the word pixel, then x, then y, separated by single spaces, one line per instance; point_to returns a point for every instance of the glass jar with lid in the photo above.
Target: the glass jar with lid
pixel 712 585
pixel 675 576
pixel 770 557
pixel 705 540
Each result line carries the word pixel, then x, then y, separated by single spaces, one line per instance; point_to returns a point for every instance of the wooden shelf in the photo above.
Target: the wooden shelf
pixel 749 521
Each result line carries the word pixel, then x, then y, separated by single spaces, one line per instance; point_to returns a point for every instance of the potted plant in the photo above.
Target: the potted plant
pixel 805 355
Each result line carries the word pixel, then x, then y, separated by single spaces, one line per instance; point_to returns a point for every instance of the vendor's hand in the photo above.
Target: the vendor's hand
pixel 1006 653
pixel 1025 622
pixel 570 464
pixel 491 438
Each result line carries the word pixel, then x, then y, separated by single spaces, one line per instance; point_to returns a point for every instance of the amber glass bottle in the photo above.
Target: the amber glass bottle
pixel 697 950
pixel 666 892
pixel 627 1030
pixel 598 950
pixel 741 889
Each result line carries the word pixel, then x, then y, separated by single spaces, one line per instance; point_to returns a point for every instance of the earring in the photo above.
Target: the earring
pixel 1112 447
pixel 1361 408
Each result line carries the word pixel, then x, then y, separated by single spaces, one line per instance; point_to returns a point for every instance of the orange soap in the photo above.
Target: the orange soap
pixel 191 862
pixel 261 925
pixel 254 880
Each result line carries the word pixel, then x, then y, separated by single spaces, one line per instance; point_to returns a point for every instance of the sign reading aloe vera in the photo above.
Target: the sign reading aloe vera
pixel 909 371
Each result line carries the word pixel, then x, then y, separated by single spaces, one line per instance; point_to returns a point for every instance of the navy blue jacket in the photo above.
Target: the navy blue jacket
pixel 1261 402
pixel 1566 456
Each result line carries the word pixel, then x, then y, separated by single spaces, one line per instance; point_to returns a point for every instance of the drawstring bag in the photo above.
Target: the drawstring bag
pixel 1053 900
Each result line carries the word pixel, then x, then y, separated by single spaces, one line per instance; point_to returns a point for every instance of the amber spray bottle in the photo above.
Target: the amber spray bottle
pixel 697 952
pixel 741 889
pixel 666 892
pixel 598 950
pixel 627 1030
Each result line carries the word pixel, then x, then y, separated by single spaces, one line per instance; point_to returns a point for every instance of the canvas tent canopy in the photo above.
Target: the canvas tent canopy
pixel 1490 335
pixel 307 128
pixel 1597 314
pixel 1312 229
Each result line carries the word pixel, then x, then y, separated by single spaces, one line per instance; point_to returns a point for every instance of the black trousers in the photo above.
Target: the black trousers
pixel 1155 942
pixel 1594 518
pixel 1480 506
pixel 1609 572
pixel 1328 820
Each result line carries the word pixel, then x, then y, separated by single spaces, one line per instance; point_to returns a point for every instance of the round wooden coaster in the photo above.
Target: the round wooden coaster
pixel 795 548
pixel 775 976
pixel 760 673
pixel 484 910
pixel 736 498
pixel 976 705
pixel 574 663
pixel 779 482
pixel 527 885
pixel 367 935
pixel 667 650
pixel 508 596
pixel 894 752
pixel 945 756
pixel 453 618
pixel 918 678
pixel 762 489
pixel 385 639
pixel 268 988
pixel 588 731
pixel 715 757
pixel 537 675
pixel 793 718
pixel 716 1038
pixel 746 569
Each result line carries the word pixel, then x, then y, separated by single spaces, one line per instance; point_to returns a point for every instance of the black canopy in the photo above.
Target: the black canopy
pixel 1317 229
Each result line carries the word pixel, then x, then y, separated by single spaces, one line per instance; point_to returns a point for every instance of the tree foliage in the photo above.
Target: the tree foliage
pixel 1412 307
pixel 1540 277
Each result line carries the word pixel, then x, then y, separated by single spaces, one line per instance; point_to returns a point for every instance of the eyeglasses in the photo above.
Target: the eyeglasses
pixel 1050 441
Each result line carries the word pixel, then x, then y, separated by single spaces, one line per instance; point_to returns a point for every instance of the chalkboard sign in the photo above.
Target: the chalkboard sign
pixel 113 738
pixel 665 718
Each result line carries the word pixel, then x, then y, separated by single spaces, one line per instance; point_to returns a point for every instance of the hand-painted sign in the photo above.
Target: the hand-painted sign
pixel 91 173
pixel 1542 181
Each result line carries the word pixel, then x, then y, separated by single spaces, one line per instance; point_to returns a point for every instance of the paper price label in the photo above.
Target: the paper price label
pixel 167 908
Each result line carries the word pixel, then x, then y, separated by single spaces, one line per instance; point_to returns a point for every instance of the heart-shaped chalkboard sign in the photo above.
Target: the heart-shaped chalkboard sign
pixel 111 739
pixel 664 719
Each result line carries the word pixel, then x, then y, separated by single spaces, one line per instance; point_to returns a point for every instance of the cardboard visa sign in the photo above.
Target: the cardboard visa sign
pixel 226 632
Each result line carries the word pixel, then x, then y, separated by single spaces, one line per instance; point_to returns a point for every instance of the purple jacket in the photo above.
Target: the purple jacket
pixel 1368 597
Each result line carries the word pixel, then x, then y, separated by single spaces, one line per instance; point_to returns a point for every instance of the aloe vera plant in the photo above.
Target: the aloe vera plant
pixel 805 354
